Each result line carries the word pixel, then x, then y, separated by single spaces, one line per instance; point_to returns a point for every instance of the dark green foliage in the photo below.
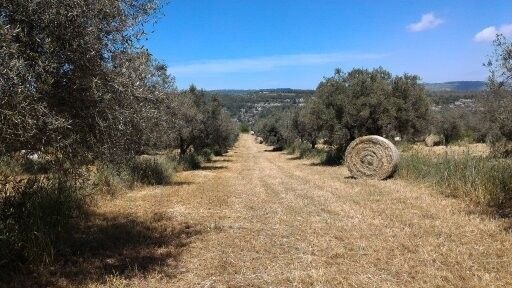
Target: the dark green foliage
pixel 499 104
pixel 151 171
pixel 311 121
pixel 244 128
pixel 483 181
pixel 111 180
pixel 36 166
pixel 220 132
pixel 200 123
pixel 364 102
pixel 333 157
pixel 448 122
pixel 77 88
pixel 501 149
pixel 189 161
pixel 35 220
pixel 206 154
pixel 304 150
pixel 76 83
pixel 349 105
pixel 275 128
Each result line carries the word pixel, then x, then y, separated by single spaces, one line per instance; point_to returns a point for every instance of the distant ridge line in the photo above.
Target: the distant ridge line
pixel 450 86
pixel 457 86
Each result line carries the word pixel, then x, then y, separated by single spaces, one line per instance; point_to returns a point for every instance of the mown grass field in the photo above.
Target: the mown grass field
pixel 256 218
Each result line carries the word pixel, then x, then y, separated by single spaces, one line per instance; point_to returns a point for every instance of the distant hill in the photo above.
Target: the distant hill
pixel 456 86
pixel 251 92
pixel 452 86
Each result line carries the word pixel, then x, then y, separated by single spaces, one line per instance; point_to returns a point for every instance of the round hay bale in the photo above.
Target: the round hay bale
pixel 372 157
pixel 434 140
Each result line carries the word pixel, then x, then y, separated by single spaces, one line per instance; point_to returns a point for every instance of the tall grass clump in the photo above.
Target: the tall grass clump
pixel 10 166
pixel 111 180
pixel 207 155
pixel 244 128
pixel 190 160
pixel 484 181
pixel 153 171
pixel 304 150
pixel 36 216
pixel 19 164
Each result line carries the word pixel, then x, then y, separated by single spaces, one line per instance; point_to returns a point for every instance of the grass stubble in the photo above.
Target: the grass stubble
pixel 263 219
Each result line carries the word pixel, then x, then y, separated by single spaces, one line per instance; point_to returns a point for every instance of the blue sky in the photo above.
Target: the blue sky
pixel 243 44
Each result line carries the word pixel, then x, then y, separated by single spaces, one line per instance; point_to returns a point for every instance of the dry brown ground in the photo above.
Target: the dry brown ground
pixel 262 219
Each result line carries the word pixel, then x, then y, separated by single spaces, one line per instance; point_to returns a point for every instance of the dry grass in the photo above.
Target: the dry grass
pixel 260 219
pixel 482 181
pixel 479 149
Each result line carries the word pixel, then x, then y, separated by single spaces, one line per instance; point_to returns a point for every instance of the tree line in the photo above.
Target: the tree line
pixel 82 89
pixel 78 90
pixel 362 102
pixel 349 105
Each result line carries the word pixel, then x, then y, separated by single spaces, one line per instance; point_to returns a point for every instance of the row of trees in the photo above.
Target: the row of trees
pixel 374 102
pixel 77 88
pixel 499 104
pixel 349 105
pixel 75 84
pixel 490 119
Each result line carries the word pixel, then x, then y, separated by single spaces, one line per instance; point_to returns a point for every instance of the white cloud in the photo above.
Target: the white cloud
pixel 428 21
pixel 489 34
pixel 506 30
pixel 266 63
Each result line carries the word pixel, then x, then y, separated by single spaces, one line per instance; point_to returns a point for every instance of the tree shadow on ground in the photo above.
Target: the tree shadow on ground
pixel 221 160
pixel 323 164
pixel 212 168
pixel 122 246
pixel 274 149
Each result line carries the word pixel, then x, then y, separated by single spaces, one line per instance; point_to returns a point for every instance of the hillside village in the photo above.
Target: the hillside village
pixel 246 105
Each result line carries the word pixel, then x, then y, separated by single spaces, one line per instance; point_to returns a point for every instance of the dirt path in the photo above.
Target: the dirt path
pixel 267 220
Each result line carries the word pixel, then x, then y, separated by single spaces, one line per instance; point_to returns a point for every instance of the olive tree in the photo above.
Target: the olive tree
pixel 499 106
pixel 310 121
pixel 67 78
pixel 371 102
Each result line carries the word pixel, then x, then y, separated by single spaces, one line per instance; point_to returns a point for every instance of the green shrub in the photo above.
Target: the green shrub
pixel 111 180
pixel 244 128
pixel 16 164
pixel 35 167
pixel 218 151
pixel 35 219
pixel 304 150
pixel 332 157
pixel 9 166
pixel 501 149
pixel 152 172
pixel 190 161
pixel 207 155
pixel 484 181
